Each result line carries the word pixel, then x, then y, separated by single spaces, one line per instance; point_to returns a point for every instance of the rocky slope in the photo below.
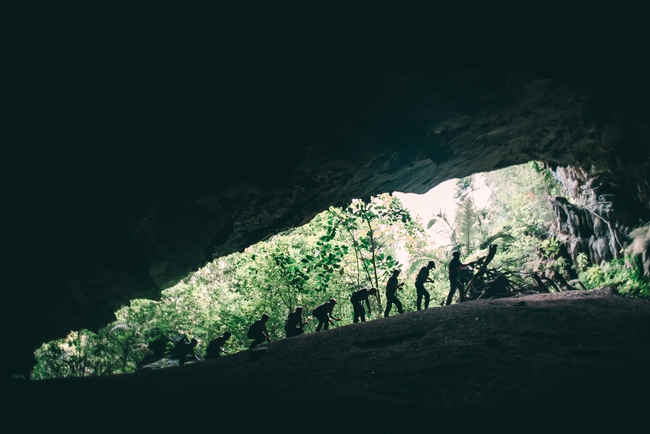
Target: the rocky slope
pixel 565 361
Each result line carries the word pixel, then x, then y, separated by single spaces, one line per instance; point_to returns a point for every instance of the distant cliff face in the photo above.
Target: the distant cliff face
pixel 145 146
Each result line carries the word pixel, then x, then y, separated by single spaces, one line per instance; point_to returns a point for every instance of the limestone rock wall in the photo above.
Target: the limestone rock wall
pixel 605 209
pixel 639 247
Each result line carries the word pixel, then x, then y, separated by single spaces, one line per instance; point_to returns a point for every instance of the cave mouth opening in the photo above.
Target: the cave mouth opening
pixel 340 250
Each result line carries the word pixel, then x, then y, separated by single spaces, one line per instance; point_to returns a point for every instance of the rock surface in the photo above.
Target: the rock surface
pixel 146 143
pixel 605 211
pixel 572 361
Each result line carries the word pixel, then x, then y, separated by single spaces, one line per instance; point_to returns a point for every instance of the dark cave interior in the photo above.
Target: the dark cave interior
pixel 144 143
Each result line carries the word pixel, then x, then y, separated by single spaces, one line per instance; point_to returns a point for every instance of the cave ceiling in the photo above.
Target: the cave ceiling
pixel 146 142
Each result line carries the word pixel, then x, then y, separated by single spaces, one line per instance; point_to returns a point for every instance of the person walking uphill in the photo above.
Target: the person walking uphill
pixel 294 325
pixel 215 347
pixel 258 331
pixel 420 280
pixel 323 313
pixel 184 350
pixel 391 294
pixel 455 266
pixel 357 299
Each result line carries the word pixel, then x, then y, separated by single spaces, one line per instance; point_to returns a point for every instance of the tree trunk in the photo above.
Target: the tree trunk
pixel 483 268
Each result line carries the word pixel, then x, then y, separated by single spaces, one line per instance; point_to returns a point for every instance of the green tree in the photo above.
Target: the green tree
pixel 467 230
pixel 375 229
pixel 469 225
pixel 519 211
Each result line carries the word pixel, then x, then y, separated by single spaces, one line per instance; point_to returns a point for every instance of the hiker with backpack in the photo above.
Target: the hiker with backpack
pixel 357 299
pixel 215 347
pixel 455 269
pixel 184 350
pixel 323 313
pixel 294 324
pixel 258 331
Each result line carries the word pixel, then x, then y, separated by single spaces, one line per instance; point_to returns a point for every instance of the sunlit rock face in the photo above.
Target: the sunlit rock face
pixel 638 249
pixel 145 148
pixel 608 206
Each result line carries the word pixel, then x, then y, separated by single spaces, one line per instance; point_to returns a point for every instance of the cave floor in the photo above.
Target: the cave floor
pixel 570 360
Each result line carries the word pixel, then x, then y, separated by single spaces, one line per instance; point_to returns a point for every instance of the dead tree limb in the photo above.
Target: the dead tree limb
pixel 559 278
pixel 483 268
pixel 539 283
pixel 577 282
pixel 550 282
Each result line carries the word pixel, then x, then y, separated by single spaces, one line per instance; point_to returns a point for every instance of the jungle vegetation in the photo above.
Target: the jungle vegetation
pixel 339 251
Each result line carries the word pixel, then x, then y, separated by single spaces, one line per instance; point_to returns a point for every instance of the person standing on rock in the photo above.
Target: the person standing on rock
pixel 258 331
pixel 323 313
pixel 357 299
pixel 391 294
pixel 420 280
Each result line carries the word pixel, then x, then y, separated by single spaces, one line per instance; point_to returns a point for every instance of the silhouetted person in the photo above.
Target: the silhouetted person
pixel 391 294
pixel 258 331
pixel 184 350
pixel 215 347
pixel 357 298
pixel 455 267
pixel 156 349
pixel 420 280
pixel 323 313
pixel 294 325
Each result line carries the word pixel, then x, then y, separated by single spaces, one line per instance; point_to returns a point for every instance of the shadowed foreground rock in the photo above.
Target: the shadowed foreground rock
pixel 572 360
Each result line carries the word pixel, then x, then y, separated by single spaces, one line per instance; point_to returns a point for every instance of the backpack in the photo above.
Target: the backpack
pixel 253 330
pixel 319 310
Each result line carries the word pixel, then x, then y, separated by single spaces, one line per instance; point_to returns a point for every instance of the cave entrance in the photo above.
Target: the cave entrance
pixel 341 250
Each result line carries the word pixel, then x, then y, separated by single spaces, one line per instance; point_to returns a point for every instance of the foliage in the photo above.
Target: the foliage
pixel 514 218
pixel 371 229
pixel 469 225
pixel 624 273
pixel 520 200
pixel 582 262
pixel 464 187
pixel 341 250
pixel 518 212
pixel 467 230
pixel 114 349
pixel 550 255
pixel 441 219
pixel 338 252
pixel 551 246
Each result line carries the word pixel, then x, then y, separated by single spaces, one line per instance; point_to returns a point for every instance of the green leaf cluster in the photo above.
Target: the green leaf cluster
pixel 626 274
